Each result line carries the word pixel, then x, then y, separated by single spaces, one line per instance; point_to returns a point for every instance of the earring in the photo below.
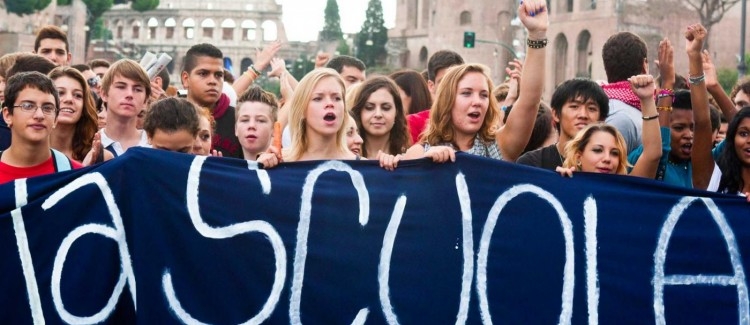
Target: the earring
pixel 579 165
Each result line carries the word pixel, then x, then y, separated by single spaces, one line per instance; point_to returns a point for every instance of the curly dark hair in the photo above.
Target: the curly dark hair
pixel 729 163
pixel 624 54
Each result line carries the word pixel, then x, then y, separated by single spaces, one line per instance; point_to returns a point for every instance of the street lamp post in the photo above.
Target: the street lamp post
pixel 742 67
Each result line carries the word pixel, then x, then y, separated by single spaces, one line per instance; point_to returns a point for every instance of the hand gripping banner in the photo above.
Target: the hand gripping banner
pixel 163 238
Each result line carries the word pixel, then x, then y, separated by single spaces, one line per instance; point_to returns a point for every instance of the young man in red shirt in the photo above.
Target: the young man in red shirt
pixel 30 110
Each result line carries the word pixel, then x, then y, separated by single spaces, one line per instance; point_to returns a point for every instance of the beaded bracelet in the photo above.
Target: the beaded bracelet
pixel 666 92
pixel 664 108
pixel 252 67
pixel 697 80
pixel 536 44
pixel 252 73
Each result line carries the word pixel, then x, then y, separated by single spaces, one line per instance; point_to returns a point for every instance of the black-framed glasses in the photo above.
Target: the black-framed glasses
pixel 93 81
pixel 29 107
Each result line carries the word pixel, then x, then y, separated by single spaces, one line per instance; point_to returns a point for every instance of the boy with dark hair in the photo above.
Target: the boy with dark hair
pixel 30 110
pixel 126 89
pixel 740 94
pixel 437 66
pixel 576 103
pixel 31 62
pixel 52 43
pixel 203 77
pixel 99 66
pixel 351 69
pixel 94 82
pixel 624 55
pixel 25 62
pixel 172 124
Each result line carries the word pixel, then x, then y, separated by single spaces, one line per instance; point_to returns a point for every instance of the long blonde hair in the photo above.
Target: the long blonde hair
pixel 298 106
pixel 440 126
pixel 578 144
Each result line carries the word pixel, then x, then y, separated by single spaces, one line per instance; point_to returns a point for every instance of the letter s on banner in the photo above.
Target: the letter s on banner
pixel 117 234
pixel 233 230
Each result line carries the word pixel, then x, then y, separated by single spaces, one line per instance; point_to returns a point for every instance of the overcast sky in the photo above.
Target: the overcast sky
pixel 303 19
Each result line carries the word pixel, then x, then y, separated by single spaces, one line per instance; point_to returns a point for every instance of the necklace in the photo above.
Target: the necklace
pixel 683 165
pixel 562 159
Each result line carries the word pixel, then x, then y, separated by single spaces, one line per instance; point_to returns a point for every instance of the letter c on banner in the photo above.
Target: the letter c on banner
pixel 208 231
pixel 303 227
pixel 484 246
pixel 116 233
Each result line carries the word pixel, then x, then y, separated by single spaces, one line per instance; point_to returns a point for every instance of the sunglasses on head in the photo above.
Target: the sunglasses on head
pixel 93 81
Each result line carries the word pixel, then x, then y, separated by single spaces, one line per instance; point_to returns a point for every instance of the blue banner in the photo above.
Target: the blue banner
pixel 159 237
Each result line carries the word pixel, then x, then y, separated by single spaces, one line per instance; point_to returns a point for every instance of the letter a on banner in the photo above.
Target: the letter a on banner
pixel 737 279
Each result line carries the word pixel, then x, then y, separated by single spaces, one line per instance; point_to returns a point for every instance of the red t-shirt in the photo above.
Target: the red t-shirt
pixel 417 123
pixel 10 173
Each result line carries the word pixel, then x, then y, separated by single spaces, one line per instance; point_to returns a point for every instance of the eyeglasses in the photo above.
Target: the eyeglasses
pixel 28 107
pixel 93 81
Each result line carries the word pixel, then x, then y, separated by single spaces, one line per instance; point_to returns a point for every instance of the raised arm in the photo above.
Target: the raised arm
pixel 514 136
pixel 643 86
pixel 714 88
pixel 514 73
pixel 262 59
pixel 703 161
pixel 666 90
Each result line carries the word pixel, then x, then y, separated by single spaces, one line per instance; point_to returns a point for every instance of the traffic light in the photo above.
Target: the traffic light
pixel 469 40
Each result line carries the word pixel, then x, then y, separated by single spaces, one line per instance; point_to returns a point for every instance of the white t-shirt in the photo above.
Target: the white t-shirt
pixel 107 142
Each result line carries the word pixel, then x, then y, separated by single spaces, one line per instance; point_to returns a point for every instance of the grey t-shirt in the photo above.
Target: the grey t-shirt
pixel 628 120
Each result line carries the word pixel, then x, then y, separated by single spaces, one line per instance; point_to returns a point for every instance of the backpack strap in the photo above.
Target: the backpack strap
pixel 111 149
pixel 62 163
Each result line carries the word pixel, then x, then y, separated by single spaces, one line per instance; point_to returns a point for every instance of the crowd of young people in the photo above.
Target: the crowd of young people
pixel 57 117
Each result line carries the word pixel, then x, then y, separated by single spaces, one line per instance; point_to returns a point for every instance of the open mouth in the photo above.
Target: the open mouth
pixel 330 117
pixel 475 114
pixel 356 151
pixel 67 110
pixel 686 148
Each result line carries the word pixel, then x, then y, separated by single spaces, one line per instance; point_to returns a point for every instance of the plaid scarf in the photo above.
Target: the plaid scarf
pixel 621 91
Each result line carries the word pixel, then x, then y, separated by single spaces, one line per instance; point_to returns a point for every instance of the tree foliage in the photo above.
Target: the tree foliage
pixel 99 32
pixel 373 36
pixel 710 11
pixel 25 7
pixel 332 28
pixel 144 5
